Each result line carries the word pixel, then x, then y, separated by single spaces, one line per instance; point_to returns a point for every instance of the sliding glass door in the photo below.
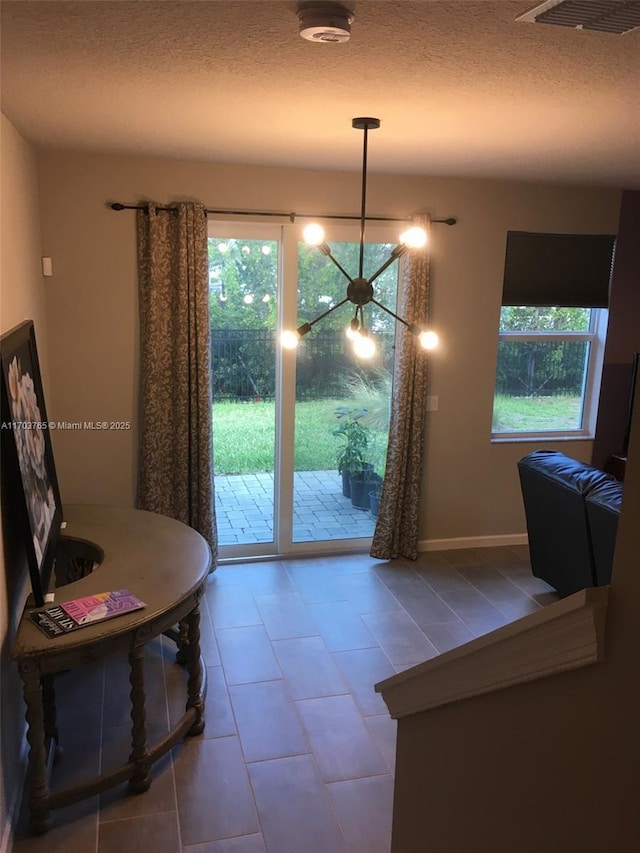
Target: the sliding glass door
pixel 244 274
pixel 285 422
pixel 341 401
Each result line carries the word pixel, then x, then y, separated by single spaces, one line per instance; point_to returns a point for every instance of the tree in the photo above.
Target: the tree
pixel 243 296
pixel 243 282
pixel 550 366
pixel 521 319
pixel 243 277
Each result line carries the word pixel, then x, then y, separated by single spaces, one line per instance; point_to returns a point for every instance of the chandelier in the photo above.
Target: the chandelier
pixel 360 289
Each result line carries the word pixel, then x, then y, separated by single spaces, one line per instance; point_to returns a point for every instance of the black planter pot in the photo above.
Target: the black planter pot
pixel 361 484
pixel 374 502
pixel 346 479
pixel 346 483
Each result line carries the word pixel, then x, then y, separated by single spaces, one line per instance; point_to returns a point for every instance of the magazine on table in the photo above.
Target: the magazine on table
pixel 71 615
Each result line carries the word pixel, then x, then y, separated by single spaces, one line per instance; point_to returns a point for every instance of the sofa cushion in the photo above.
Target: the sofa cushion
pixel 568 473
pixel 603 506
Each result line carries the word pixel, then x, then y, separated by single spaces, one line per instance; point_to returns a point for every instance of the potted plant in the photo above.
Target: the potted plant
pixel 354 440
pixel 367 480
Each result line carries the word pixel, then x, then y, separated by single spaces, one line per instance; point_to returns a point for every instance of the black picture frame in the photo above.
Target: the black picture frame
pixel 26 438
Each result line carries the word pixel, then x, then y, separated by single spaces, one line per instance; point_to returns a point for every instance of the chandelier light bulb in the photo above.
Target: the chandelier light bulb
pixel 414 237
pixel 352 333
pixel 313 234
pixel 222 247
pixel 353 329
pixel 428 340
pixel 247 299
pixel 363 346
pixel 289 339
pixel 222 296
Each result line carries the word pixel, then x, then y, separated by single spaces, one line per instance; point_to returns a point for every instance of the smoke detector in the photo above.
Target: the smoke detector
pixel 325 22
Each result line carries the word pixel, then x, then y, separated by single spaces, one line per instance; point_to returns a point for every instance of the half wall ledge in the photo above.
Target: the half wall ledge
pixel 565 635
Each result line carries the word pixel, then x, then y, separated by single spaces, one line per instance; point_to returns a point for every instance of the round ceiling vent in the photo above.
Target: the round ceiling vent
pixel 329 23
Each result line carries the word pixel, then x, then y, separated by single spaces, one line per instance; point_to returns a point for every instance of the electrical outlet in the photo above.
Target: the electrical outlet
pixel 432 403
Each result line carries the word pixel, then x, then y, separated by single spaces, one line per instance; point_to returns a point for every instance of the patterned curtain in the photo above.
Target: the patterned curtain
pixel 175 467
pixel 396 533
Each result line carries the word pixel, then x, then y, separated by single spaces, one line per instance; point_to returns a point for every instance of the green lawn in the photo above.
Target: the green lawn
pixel 244 432
pixel 533 414
pixel 243 437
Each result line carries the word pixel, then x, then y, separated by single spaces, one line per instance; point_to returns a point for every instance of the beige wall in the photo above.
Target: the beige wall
pixel 21 298
pixel 91 309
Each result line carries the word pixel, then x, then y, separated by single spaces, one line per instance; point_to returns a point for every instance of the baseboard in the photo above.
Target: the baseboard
pixel 13 809
pixel 473 542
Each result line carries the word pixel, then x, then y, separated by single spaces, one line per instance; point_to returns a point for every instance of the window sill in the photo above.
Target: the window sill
pixel 538 439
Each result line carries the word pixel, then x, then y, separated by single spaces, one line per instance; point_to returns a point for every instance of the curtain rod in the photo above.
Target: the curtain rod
pixel 116 205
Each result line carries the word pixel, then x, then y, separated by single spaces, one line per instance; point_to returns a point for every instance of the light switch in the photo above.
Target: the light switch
pixel 432 403
pixel 47 267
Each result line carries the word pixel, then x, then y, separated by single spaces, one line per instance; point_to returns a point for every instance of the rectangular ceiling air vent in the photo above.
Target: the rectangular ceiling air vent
pixel 605 16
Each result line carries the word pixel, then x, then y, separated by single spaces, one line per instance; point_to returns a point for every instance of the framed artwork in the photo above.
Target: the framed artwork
pixel 27 438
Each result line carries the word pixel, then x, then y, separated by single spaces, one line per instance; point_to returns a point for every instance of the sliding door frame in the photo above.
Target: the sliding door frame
pixel 288 237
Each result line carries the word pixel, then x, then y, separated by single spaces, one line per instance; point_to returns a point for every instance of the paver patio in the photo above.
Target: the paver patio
pixel 244 509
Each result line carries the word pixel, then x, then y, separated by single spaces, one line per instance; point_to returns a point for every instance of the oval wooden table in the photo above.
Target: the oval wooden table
pixel 164 563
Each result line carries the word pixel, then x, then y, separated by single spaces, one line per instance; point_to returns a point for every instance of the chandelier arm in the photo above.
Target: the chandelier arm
pixel 327 252
pixel 396 253
pixel 325 314
pixel 415 330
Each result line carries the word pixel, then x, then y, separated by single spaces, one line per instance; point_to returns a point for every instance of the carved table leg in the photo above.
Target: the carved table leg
pixel 141 779
pixel 182 655
pixel 194 668
pixel 49 707
pixel 38 784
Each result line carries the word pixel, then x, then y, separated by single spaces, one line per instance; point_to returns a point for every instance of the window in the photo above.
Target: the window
pixel 551 334
pixel 549 364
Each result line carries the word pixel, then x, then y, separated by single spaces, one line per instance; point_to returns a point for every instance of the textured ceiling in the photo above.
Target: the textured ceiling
pixel 462 88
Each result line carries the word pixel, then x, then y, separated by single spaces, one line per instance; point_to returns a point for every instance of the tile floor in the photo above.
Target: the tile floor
pixel 298 751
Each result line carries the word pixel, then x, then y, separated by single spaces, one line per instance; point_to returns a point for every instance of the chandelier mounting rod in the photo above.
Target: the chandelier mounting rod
pixel 364 123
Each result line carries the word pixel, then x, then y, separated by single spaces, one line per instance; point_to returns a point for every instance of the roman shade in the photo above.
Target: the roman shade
pixel 566 270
